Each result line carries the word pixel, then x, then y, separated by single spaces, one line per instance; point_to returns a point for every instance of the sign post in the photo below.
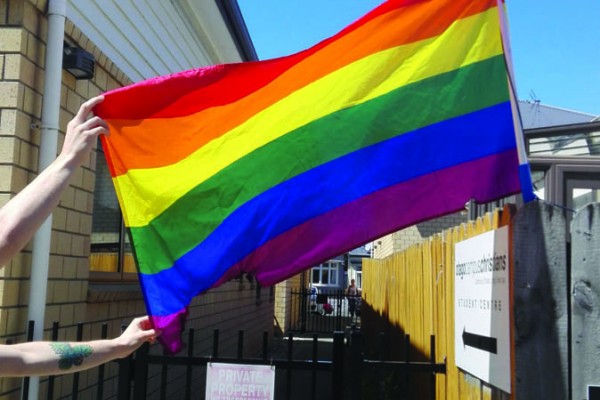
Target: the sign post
pixel 482 307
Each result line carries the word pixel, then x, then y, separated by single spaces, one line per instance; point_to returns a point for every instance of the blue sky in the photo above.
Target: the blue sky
pixel 555 44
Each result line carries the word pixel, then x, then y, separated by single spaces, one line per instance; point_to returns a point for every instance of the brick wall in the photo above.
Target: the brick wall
pixel 284 312
pixel 72 297
pixel 402 239
pixel 21 63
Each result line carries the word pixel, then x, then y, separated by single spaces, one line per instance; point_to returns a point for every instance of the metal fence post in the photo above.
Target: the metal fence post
pixel 51 379
pixel 315 359
pixel 188 369
pixel 356 364
pixel 303 293
pixel 79 338
pixel 100 387
pixel 125 367
pixel 408 376
pixel 290 359
pixel 140 372
pixel 337 366
pixel 25 387
pixel 124 383
pixel 338 318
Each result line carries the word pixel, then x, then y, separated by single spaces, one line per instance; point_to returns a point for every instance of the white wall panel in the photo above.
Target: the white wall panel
pixel 185 44
pixel 147 38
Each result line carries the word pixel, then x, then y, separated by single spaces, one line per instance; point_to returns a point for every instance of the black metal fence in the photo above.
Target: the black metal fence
pixel 324 311
pixel 307 367
pixel 345 376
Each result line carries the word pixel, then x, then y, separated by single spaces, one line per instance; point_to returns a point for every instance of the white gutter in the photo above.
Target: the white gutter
pixel 48 150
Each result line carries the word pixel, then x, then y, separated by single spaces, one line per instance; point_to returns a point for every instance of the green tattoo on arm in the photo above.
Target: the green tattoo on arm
pixel 70 356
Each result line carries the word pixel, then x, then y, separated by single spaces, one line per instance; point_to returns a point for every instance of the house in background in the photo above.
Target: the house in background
pixel 336 273
pixel 90 270
pixel 561 145
pixel 298 295
pixel 535 115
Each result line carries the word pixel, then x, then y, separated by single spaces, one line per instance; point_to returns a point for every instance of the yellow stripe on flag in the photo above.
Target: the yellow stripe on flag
pixel 151 191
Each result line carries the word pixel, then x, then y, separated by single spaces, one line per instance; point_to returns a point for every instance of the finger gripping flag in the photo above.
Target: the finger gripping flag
pixel 274 166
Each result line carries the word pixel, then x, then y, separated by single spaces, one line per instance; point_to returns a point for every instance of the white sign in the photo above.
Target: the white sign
pixel 240 382
pixel 482 307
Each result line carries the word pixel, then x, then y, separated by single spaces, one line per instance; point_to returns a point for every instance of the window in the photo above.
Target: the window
pixel 326 274
pixel 538 178
pixel 582 190
pixel 359 279
pixel 567 182
pixel 111 257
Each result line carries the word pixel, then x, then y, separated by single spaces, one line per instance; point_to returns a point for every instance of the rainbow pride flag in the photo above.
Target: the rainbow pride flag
pixel 272 167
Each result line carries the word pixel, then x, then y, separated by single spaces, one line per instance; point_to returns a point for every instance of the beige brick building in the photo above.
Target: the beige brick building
pixel 402 239
pixel 75 293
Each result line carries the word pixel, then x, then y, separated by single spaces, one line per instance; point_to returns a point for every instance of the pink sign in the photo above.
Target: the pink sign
pixel 239 382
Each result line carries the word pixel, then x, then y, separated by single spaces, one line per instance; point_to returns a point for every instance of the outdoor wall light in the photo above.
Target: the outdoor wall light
pixel 78 62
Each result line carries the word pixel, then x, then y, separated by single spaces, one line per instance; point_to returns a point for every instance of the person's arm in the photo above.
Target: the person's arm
pixel 21 217
pixel 52 358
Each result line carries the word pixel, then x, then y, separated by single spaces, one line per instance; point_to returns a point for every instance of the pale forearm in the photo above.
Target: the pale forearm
pixel 25 213
pixel 53 358
pixel 21 217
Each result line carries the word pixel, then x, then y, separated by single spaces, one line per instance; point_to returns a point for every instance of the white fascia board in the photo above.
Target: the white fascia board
pixel 206 19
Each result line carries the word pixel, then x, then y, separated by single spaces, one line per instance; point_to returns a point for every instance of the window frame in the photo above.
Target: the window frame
pixel 119 275
pixel 333 268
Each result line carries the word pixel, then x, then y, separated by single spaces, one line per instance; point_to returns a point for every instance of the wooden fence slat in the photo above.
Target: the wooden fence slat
pixel 439 307
pixel 454 378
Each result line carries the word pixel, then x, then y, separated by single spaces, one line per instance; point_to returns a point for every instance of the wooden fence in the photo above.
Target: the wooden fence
pixel 413 291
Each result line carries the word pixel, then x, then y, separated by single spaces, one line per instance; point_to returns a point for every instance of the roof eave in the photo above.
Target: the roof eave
pixel 234 20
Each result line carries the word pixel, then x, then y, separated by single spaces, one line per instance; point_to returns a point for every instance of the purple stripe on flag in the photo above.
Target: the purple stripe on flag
pixel 363 220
